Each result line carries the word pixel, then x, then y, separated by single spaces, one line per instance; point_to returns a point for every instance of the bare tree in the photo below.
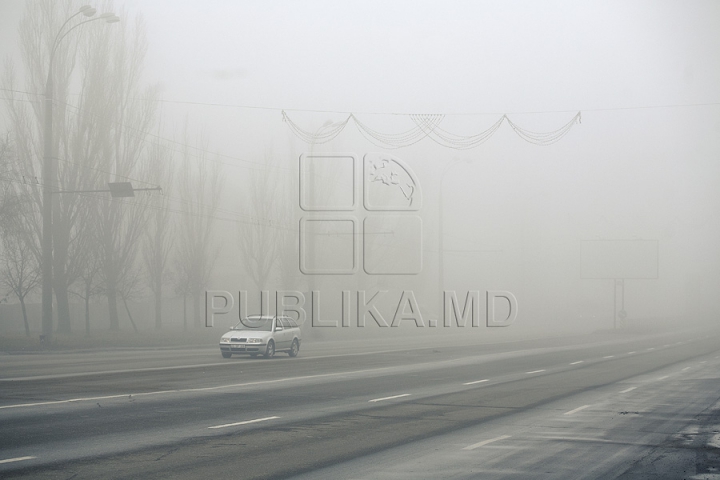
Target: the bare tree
pixel 130 288
pixel 92 141
pixel 77 139
pixel 6 175
pixel 181 285
pixel 159 238
pixel 88 283
pixel 200 187
pixel 20 268
pixel 19 259
pixel 133 113
pixel 266 240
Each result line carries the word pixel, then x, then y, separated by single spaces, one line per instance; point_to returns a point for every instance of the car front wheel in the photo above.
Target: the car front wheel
pixel 294 349
pixel 270 350
pixel 226 354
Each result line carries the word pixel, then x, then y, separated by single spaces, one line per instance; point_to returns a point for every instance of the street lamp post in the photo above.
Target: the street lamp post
pixel 49 175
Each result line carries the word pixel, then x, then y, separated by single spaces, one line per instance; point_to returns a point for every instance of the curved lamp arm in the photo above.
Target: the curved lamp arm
pixel 88 12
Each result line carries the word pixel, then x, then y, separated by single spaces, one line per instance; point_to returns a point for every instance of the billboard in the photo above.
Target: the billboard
pixel 619 259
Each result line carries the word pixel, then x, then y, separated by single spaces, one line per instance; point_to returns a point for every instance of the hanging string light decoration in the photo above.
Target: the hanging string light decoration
pixel 460 142
pixel 427 126
pixel 547 138
pixel 324 135
pixel 424 125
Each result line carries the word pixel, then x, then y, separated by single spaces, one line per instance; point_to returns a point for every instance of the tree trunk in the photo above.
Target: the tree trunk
pixel 111 293
pixel 158 303
pixel 113 310
pixel 196 311
pixel 185 313
pixel 63 305
pixel 60 280
pixel 129 315
pixel 24 312
pixel 87 310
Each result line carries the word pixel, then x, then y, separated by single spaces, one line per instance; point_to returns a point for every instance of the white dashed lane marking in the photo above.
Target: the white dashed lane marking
pixel 486 442
pixel 476 381
pixel 389 398
pixel 579 361
pixel 535 371
pixel 628 390
pixel 576 410
pixel 17 459
pixel 246 422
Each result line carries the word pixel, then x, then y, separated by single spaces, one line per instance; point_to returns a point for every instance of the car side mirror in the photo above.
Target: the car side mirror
pixel 278 329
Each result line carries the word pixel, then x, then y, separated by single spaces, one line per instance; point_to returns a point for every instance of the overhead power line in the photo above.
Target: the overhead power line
pixel 359 112
pixel 526 112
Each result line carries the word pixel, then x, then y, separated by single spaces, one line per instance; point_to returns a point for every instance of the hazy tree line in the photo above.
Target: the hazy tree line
pixel 106 123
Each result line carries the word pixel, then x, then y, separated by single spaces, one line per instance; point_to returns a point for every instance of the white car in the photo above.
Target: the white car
pixel 256 335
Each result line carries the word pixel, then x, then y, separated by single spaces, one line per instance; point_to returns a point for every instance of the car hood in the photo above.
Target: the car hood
pixel 246 334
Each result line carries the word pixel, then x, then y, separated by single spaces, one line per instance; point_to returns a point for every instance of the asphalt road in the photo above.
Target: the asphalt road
pixel 593 406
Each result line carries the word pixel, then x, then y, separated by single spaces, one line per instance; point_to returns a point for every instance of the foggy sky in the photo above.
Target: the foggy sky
pixel 519 210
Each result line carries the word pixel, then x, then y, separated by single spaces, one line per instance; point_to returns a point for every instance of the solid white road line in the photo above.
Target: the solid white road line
pixel 181 367
pixel 535 371
pixel 245 422
pixel 17 459
pixel 112 372
pixel 628 390
pixel 558 438
pixel 579 361
pixel 476 381
pixel 576 410
pixel 85 399
pixel 190 390
pixel 388 398
pixel 486 442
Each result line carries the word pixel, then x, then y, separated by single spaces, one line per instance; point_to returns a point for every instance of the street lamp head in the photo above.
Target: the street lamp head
pixel 87 10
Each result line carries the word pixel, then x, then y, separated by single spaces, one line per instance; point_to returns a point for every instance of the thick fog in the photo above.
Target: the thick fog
pixel 250 98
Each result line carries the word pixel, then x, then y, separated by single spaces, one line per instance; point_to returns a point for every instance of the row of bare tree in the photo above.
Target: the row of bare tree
pixel 114 247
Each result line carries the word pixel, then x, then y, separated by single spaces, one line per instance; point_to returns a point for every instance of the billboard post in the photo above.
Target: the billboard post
pixel 619 260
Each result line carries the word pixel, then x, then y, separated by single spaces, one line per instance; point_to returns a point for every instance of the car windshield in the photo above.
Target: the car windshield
pixel 256 323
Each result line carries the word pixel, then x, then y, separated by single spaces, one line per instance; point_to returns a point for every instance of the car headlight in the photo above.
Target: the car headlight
pixel 254 340
pixel 224 340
